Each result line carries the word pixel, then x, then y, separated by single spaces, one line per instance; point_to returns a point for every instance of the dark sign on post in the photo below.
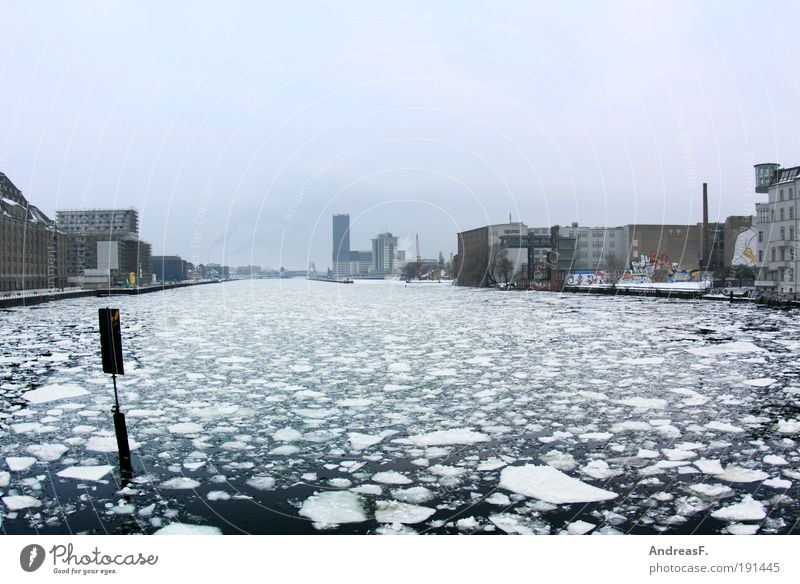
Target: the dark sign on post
pixel 111 341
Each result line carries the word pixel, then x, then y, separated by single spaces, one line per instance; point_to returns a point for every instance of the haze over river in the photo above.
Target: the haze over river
pixel 293 406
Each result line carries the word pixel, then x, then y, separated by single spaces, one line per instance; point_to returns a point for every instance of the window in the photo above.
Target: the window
pixel 791 213
pixel 781 194
pixel 611 244
pixel 773 254
pixel 760 237
pixel 597 233
pixel 783 233
pixel 791 232
pixel 783 254
pixel 791 192
pixel 782 213
pixel 761 255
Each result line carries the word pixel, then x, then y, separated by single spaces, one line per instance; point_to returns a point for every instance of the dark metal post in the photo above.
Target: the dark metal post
pixel 111 347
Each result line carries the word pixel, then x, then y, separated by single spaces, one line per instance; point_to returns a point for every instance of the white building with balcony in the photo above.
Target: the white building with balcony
pixel 776 223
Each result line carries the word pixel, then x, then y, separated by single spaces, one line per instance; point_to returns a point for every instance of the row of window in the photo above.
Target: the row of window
pixel 783 234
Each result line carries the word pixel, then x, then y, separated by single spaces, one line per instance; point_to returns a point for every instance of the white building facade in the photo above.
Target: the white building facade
pixel 776 223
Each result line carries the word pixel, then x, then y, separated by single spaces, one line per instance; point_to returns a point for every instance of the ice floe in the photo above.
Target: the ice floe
pixel 747 510
pixel 399 512
pixel 447 437
pixel 54 392
pixel 333 508
pixel 550 485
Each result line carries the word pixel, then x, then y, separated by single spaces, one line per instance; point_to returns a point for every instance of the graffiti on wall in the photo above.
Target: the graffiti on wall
pixel 744 249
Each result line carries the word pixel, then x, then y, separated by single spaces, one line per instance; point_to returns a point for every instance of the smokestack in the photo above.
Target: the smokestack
pixel 706 250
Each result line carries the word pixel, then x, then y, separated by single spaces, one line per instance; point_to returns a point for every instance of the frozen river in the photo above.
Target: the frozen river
pixel 306 407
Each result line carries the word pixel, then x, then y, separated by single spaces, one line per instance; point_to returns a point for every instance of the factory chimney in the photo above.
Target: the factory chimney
pixel 706 251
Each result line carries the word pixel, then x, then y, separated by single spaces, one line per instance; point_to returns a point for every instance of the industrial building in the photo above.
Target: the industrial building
pixel 32 250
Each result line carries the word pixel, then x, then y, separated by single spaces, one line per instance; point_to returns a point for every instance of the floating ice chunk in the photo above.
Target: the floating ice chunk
pixel 593 395
pixel 123 508
pixel 340 483
pixel 763 382
pixel 85 473
pixel 726 349
pixel 185 428
pixel 747 510
pixel 17 502
pixel 84 429
pixel 775 460
pixel 711 467
pixel 500 499
pixel 309 393
pixel 599 469
pixel 788 427
pixel 446 471
pixel 724 427
pixel 645 453
pixel 236 446
pixel 742 528
pixel 18 463
pixel 643 402
pixel 261 483
pixel 360 441
pixel 147 511
pixel 398 512
pixel 390 477
pixel 47 452
pixel 678 454
pixel 445 437
pixel 5 478
pixel 468 524
pixel 315 413
pixel 413 495
pixel 631 426
pixel 332 508
pixel 777 483
pixel 641 361
pixel 287 435
pixel 550 485
pixel 218 496
pixel 285 450
pixel 234 360
pixel 737 474
pixel 399 367
pixel 555 437
pixel 491 464
pixel 180 483
pixel 107 444
pixel 188 529
pixel 393 387
pixel 144 413
pixel 559 460
pixel 511 523
pixel 368 489
pixel 54 392
pixel 302 368
pixel 711 491
pixel 580 527
pixel 355 403
pixel 602 436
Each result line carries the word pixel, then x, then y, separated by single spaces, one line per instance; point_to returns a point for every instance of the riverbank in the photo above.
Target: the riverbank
pixel 28 299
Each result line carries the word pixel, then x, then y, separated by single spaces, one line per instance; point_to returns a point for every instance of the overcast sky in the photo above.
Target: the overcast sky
pixel 238 128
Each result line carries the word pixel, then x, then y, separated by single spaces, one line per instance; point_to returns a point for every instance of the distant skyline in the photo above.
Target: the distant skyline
pixel 238 129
